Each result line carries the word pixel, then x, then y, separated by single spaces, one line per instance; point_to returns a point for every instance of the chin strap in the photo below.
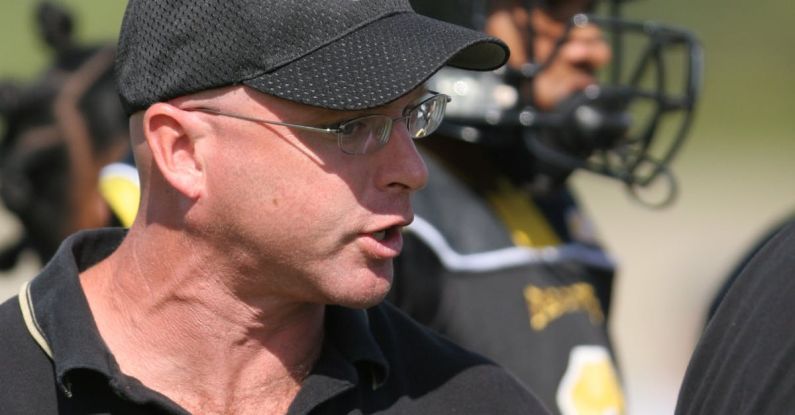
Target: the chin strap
pixel 641 192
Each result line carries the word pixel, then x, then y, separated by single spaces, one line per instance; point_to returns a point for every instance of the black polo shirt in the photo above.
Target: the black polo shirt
pixel 53 360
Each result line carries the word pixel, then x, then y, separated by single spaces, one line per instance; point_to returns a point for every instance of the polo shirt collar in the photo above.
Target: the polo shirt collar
pixel 349 331
pixel 61 312
pixel 351 358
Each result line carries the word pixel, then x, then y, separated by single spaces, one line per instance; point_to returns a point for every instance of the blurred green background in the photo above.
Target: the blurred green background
pixel 736 173
pixel 22 54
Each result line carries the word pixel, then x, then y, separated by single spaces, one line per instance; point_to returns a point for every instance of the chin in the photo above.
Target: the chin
pixel 367 298
pixel 363 288
pixel 363 304
pixel 367 295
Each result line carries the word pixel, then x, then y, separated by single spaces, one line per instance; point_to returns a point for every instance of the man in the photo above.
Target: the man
pixel 743 362
pixel 274 145
pixel 499 257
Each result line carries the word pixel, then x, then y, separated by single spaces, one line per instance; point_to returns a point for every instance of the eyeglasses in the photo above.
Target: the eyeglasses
pixel 368 134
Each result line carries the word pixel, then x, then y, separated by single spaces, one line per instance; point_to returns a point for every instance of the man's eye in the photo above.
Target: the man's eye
pixel 352 127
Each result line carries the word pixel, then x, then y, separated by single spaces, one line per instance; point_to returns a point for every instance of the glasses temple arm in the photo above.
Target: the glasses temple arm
pixel 261 121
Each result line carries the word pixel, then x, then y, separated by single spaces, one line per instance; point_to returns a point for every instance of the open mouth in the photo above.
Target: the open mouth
pixel 385 243
pixel 380 235
pixel 386 234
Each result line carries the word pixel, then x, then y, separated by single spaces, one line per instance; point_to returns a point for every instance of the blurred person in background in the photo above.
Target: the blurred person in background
pixel 746 258
pixel 500 258
pixel 61 136
pixel 743 363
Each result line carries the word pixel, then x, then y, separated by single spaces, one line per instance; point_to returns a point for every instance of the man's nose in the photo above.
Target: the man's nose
pixel 587 46
pixel 400 166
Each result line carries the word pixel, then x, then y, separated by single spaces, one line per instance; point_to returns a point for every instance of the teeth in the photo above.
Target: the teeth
pixel 380 235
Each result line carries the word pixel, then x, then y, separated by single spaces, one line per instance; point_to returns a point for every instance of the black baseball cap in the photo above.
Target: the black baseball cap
pixel 336 54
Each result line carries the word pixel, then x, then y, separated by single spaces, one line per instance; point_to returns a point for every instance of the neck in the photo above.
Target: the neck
pixel 180 330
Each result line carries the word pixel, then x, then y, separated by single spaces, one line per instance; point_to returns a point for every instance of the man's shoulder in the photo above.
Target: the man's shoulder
pixel 13 328
pixel 18 350
pixel 444 375
pixel 26 372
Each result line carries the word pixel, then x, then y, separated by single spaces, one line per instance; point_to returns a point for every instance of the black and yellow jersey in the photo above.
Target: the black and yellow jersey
pixel 518 279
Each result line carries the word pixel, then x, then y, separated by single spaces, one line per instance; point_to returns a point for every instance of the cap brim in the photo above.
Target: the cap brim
pixel 380 62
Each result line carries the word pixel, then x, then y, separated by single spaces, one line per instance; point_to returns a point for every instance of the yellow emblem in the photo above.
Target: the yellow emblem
pixel 590 385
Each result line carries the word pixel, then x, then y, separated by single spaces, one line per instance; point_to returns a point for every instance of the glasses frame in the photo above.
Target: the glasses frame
pixel 339 129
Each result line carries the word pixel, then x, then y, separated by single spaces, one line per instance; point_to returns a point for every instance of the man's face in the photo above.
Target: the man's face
pixel 536 32
pixel 306 220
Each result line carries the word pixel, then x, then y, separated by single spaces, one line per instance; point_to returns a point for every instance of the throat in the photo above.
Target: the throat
pixel 209 363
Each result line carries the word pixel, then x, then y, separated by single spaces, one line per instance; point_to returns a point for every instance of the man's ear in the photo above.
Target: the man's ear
pixel 171 135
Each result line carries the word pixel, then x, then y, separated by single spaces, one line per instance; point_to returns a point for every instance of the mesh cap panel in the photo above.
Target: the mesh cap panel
pixel 338 54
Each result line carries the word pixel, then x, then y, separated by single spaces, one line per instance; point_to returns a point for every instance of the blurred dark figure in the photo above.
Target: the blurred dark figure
pixel 743 363
pixel 59 132
pixel 727 284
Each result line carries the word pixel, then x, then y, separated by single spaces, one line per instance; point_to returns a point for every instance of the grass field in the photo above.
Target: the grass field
pixel 737 174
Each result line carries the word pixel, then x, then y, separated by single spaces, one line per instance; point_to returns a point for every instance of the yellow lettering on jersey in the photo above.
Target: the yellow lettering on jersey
pixel 590 385
pixel 547 304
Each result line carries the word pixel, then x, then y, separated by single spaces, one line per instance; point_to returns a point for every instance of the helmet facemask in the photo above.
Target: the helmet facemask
pixel 627 126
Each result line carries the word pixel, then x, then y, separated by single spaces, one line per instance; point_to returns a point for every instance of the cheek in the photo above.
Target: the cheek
pixel 548 89
pixel 297 195
pixel 287 189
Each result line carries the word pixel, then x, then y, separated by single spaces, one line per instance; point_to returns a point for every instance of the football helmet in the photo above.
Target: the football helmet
pixel 629 125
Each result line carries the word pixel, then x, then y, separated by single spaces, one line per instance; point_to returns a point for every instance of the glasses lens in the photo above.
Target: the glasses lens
pixel 364 135
pixel 426 117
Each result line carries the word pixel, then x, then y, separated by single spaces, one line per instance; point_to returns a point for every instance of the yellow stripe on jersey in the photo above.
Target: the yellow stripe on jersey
pixel 527 224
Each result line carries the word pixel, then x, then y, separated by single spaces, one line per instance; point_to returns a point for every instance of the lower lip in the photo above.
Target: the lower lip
pixel 387 248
